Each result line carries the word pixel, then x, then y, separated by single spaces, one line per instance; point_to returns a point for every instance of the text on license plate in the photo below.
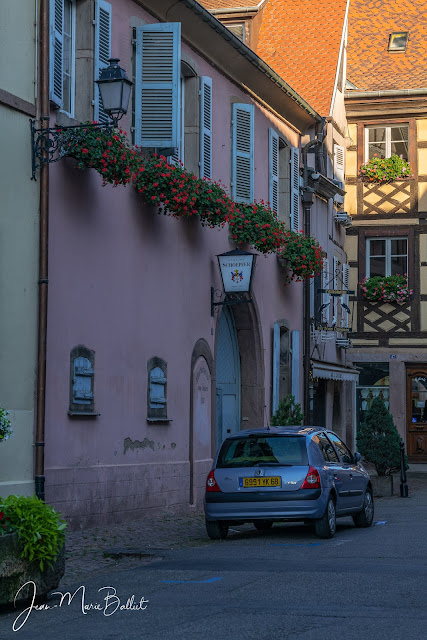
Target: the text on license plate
pixel 271 481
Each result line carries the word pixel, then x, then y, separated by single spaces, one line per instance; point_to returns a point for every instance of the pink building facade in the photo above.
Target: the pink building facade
pixel 129 316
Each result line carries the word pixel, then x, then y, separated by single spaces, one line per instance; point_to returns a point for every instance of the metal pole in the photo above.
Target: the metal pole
pixel 403 485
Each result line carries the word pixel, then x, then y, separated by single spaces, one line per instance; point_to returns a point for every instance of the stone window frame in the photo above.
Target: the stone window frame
pixel 75 408
pixel 157 414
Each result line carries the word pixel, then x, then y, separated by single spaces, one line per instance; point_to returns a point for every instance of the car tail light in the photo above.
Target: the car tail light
pixel 211 484
pixel 312 479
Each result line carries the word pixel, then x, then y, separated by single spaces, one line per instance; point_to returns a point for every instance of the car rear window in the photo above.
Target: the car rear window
pixel 261 449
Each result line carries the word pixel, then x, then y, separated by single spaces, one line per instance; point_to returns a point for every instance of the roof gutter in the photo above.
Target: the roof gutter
pixel 252 9
pixel 394 93
pixel 250 55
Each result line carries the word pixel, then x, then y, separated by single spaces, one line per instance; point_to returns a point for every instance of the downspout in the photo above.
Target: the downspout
pixel 43 114
pixel 308 200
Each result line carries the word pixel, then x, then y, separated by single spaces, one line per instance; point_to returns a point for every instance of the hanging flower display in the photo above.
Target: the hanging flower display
pixel 386 289
pixel 179 193
pixel 385 169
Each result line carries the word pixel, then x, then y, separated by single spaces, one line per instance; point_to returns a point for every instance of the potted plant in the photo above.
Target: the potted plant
pixel 386 288
pixel 384 170
pixel 32 536
pixel 378 442
pixel 288 413
pixel 5 425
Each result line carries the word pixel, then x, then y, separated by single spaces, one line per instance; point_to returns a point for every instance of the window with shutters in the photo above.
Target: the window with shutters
pixel 206 127
pixel 345 314
pixel 242 178
pixel 102 51
pixel 295 195
pixel 62 54
pixel 273 169
pixel 326 298
pixel 158 85
pixel 157 390
pixel 339 156
pixel 336 285
pixel 285 363
pixel 82 377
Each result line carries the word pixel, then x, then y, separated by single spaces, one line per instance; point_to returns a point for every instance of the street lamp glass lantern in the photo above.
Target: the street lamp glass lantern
pixel 114 88
pixel 237 269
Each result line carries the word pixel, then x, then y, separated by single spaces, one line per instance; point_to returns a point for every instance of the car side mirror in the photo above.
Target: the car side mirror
pixel 357 457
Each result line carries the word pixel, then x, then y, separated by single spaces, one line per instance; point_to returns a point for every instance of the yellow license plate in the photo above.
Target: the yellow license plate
pixel 271 481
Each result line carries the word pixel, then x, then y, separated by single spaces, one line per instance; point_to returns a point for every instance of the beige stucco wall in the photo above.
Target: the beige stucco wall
pixel 422 129
pixel 17 44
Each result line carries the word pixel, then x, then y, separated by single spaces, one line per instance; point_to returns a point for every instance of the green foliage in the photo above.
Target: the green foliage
pixel 385 169
pixel 38 525
pixel 180 193
pixel 5 425
pixel 288 413
pixel 378 439
pixel 386 288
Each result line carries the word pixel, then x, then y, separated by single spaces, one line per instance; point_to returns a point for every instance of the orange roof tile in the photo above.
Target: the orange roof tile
pixel 370 66
pixel 300 40
pixel 213 5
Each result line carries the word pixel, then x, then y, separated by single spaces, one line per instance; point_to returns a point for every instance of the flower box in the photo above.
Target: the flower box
pixel 386 289
pixel 385 169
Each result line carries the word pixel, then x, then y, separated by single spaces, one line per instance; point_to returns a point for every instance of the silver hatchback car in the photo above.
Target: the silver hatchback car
pixel 286 473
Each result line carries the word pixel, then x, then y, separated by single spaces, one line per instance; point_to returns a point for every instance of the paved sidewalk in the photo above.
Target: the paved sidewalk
pixel 150 536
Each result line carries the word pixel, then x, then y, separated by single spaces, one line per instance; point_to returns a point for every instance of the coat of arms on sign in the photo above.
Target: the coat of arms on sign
pixel 236 276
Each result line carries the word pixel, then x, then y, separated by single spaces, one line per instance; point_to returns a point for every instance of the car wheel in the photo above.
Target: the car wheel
pixel 217 529
pixel 326 526
pixel 366 516
pixel 263 525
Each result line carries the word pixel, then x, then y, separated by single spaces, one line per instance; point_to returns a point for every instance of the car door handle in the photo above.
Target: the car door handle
pixel 351 476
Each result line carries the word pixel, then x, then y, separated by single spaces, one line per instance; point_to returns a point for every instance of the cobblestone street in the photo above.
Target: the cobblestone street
pixel 97 550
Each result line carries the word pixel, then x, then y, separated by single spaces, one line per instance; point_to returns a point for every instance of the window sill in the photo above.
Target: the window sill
pixel 159 420
pixel 84 413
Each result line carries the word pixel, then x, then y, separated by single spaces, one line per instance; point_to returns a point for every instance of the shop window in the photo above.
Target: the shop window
pixel 418 399
pixel 82 377
pixel 374 381
pixel 157 391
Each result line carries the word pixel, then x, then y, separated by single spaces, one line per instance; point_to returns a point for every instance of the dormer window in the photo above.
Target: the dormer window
pixel 398 41
pixel 238 30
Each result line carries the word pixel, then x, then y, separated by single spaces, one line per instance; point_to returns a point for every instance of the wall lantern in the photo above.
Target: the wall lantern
pixel 237 268
pixel 114 87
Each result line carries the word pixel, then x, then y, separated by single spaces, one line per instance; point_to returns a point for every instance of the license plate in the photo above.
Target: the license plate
pixel 271 481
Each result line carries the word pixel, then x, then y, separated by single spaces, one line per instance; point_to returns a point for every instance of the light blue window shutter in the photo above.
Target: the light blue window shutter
pixel 56 18
pixel 206 127
pixel 273 169
pixel 242 179
pixel 326 298
pixel 157 85
pixel 157 388
pixel 345 298
pixel 82 381
pixel 276 367
pixel 102 51
pixel 295 365
pixel 295 226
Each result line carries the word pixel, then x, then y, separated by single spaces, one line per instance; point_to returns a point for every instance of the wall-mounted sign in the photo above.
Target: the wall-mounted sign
pixel 236 271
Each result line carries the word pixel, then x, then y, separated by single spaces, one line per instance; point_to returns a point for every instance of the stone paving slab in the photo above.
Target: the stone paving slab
pixel 150 536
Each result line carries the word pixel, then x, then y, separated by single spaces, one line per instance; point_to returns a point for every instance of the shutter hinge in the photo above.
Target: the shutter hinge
pixel 94 22
pixel 133 40
pixel 92 103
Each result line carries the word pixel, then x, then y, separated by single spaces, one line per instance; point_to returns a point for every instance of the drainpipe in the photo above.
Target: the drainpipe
pixel 43 114
pixel 308 200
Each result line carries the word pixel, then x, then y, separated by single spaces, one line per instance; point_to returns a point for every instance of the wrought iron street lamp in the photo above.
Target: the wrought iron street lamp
pixel 114 88
pixel 237 269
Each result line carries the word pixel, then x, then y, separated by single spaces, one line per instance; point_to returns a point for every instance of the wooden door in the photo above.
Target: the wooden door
pixel 227 378
pixel 416 414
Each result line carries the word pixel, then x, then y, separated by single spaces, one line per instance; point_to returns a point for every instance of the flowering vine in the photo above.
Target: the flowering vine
pixel 179 193
pixel 385 169
pixel 386 288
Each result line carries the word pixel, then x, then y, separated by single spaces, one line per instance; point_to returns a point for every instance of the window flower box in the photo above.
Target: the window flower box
pixel 386 289
pixel 385 169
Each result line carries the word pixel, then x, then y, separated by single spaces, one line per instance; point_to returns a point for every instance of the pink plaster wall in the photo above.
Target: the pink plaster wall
pixel 132 284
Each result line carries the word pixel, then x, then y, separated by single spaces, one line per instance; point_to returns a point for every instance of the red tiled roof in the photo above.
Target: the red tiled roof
pixel 370 65
pixel 300 40
pixel 212 5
